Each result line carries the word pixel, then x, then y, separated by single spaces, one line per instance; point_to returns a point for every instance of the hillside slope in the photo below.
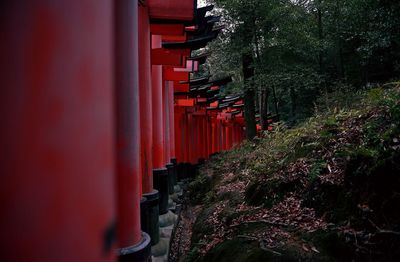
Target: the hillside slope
pixel 328 190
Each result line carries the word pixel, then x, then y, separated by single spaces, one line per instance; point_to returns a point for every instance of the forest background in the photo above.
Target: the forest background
pixel 287 55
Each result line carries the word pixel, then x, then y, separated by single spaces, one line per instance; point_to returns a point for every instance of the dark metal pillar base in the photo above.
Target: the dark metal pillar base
pixel 180 168
pixel 201 161
pixel 160 181
pixel 170 168
pixel 175 177
pixel 191 170
pixel 138 253
pixel 188 168
pixel 149 216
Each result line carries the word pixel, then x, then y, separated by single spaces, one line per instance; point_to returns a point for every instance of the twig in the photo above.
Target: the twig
pixel 261 221
pixel 247 237
pixel 389 232
pixel 383 231
pixel 374 225
pixel 264 247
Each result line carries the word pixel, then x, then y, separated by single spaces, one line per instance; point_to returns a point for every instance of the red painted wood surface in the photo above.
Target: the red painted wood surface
pixel 166 108
pixel 145 95
pixel 179 133
pixel 175 38
pixel 167 29
pixel 171 105
pixel 127 124
pixel 187 137
pixel 181 87
pixel 161 56
pixel 157 111
pixel 57 137
pixel 172 9
pixel 209 137
pixel 171 75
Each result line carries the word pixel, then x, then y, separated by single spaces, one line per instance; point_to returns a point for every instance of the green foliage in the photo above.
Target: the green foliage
pixel 308 51
pixel 200 187
pixel 316 169
pixel 343 163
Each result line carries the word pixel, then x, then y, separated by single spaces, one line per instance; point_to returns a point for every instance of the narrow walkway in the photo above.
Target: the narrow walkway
pixel 180 245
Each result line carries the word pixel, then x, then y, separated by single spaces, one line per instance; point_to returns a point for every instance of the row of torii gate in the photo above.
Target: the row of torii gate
pixel 101 116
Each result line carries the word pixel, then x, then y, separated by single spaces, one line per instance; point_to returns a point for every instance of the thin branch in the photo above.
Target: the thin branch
pixel 384 231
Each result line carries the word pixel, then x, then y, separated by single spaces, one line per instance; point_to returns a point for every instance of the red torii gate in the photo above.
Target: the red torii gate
pixel 88 132
pixel 205 130
pixel 58 129
pixel 171 46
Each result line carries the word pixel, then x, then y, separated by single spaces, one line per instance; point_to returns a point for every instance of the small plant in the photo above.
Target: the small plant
pixel 317 168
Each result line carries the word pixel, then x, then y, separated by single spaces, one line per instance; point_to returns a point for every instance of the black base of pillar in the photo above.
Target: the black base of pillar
pixel 160 181
pixel 180 168
pixel 191 170
pixel 170 168
pixel 175 177
pixel 201 161
pixel 138 253
pixel 149 214
pixel 214 154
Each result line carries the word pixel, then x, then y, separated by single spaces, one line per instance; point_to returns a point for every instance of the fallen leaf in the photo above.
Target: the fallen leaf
pixel 314 249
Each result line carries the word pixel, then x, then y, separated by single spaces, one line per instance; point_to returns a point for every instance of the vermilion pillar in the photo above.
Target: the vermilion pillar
pixel 209 137
pixel 157 110
pixel 57 138
pixel 180 144
pixel 198 135
pixel 179 134
pixel 134 244
pixel 174 176
pixel 146 123
pixel 187 152
pixel 192 139
pixel 166 107
pixel 217 135
pixel 223 137
pixel 226 136
pixel 204 137
pixel 229 136
pixel 171 120
pixel 214 136
pixel 234 135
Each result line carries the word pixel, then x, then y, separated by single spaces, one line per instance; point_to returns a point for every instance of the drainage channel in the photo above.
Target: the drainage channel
pixel 182 233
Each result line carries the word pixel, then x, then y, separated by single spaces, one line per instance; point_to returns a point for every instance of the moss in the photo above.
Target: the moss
pixel 242 250
pixel 233 197
pixel 249 228
pixel 201 227
pixel 331 245
pixel 203 186
pixel 267 193
pixel 375 96
pixel 331 201
pixel 255 193
pixel 238 250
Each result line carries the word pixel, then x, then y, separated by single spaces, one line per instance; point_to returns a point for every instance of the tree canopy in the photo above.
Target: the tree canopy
pixel 306 49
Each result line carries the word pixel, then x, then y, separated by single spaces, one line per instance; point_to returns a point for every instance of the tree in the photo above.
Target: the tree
pixel 303 49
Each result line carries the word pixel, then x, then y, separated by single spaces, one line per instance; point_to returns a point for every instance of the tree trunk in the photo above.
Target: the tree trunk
pixel 293 101
pixel 263 101
pixel 323 84
pixel 339 47
pixel 249 104
pixel 275 102
pixel 320 36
